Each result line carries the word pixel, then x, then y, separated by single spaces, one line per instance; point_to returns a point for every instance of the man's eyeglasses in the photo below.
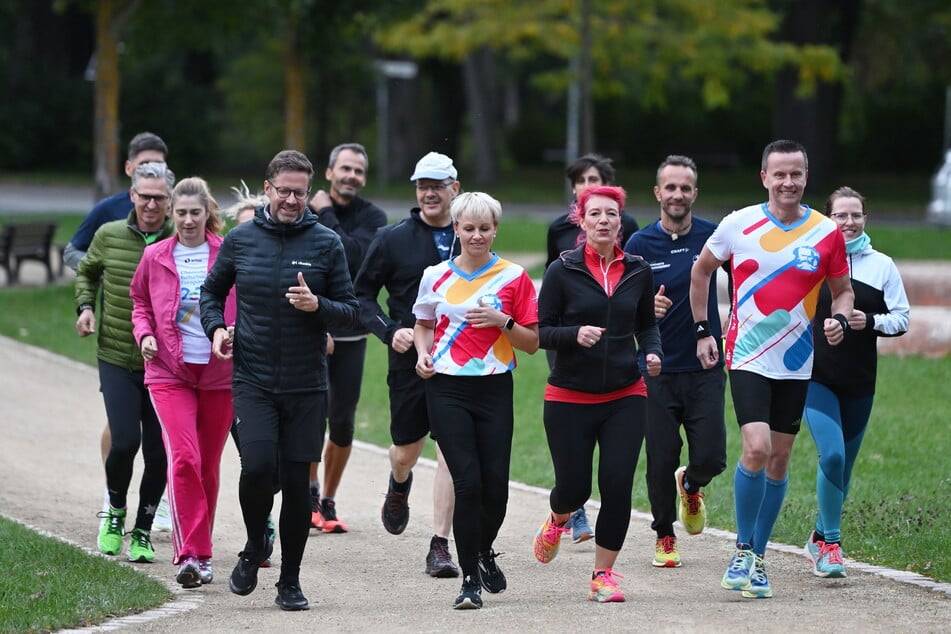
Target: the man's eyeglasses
pixel 158 199
pixel 285 192
pixel 843 216
pixel 434 188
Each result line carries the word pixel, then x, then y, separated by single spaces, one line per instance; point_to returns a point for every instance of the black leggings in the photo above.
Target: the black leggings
pixel 283 432
pixel 618 429
pixel 132 422
pixel 473 420
pixel 345 371
pixel 255 492
pixel 276 480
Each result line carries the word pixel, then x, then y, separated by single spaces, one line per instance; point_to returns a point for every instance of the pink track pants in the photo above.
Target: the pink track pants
pixel 195 425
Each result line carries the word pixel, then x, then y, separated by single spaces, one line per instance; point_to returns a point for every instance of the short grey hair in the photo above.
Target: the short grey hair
pixel 356 148
pixel 479 204
pixel 154 170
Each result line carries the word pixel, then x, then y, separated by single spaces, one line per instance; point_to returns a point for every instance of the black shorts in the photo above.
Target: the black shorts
pixel 294 423
pixel 759 399
pixel 409 418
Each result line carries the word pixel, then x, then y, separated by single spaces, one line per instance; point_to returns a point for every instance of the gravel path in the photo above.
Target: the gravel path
pixel 369 581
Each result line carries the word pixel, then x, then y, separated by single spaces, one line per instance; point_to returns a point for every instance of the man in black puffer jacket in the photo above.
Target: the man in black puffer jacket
pixel 293 285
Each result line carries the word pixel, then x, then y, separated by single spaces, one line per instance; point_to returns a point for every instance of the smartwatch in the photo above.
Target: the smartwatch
pixel 510 323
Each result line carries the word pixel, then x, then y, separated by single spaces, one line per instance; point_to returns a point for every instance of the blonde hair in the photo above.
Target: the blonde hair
pixel 197 186
pixel 479 204
pixel 245 201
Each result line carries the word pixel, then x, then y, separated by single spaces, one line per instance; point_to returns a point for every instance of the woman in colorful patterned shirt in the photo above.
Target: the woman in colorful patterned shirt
pixel 472 311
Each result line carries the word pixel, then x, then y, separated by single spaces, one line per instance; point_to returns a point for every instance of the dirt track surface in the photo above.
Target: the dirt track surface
pixel 370 581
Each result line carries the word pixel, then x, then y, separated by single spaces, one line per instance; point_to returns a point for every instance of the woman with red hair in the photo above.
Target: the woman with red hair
pixel 594 302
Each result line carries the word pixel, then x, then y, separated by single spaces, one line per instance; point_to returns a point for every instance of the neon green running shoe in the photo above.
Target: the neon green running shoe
pixel 691 511
pixel 140 548
pixel 666 554
pixel 111 530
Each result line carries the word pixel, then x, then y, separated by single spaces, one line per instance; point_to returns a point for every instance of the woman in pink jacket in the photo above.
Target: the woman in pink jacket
pixel 190 387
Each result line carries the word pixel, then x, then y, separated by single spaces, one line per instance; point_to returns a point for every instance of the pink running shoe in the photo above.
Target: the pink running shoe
pixel 604 587
pixel 548 539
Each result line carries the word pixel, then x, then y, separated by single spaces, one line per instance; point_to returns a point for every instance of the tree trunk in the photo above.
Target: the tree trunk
pixel 445 111
pixel 813 121
pixel 295 104
pixel 587 102
pixel 481 88
pixel 106 120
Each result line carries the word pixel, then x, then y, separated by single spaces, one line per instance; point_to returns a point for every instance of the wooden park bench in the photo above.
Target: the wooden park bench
pixel 26 241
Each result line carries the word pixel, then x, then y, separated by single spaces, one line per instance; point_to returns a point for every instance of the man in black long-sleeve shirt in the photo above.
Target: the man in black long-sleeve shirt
pixel 355 221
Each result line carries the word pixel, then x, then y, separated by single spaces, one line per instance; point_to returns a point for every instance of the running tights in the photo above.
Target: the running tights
pixel 573 429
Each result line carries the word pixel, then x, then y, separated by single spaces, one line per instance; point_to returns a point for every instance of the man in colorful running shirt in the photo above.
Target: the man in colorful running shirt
pixel 780 253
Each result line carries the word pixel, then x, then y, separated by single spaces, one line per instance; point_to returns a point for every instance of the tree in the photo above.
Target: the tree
pixel 812 119
pixel 111 18
pixel 637 48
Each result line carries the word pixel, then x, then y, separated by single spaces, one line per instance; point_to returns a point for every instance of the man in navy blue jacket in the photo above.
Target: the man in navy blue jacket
pixel 144 147
pixel 684 393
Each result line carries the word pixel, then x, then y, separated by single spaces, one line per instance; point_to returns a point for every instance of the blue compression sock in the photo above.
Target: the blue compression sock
pixel 748 491
pixel 769 512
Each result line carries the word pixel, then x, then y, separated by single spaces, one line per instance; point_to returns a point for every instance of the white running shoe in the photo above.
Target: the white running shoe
pixel 162 522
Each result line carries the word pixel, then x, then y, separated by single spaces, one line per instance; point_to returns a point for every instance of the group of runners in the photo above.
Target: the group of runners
pixel 264 332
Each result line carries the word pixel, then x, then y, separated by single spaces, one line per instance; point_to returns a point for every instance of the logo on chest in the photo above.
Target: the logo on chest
pixel 806 258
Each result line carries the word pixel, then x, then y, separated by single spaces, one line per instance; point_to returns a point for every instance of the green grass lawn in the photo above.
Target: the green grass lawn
pixel 48 585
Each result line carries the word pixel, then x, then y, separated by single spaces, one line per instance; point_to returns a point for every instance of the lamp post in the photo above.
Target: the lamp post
pixel 388 69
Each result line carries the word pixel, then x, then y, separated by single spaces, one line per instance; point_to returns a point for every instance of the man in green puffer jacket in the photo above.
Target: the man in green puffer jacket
pixel 110 262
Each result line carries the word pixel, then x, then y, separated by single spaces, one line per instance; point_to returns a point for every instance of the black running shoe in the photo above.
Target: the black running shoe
pixel 493 579
pixel 470 597
pixel 332 523
pixel 244 577
pixel 290 597
pixel 395 512
pixel 439 562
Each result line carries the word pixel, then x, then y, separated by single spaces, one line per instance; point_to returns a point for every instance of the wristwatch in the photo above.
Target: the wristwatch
pixel 510 323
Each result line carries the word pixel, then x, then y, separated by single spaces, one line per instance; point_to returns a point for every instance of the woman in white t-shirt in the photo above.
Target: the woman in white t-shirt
pixel 472 311
pixel 189 387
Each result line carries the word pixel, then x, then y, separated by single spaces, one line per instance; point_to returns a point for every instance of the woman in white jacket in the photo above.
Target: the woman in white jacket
pixel 839 401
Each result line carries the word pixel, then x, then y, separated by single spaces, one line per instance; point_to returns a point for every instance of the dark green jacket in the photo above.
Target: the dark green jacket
pixel 112 258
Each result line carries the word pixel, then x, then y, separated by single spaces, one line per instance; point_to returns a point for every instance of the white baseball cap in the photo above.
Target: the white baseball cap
pixel 435 166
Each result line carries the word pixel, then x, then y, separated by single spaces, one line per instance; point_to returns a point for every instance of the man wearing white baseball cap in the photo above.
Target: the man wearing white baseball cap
pixel 396 260
pixel 434 166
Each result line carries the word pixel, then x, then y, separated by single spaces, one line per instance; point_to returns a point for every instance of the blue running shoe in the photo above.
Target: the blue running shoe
pixel 812 548
pixel 580 526
pixel 829 564
pixel 759 583
pixel 737 575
